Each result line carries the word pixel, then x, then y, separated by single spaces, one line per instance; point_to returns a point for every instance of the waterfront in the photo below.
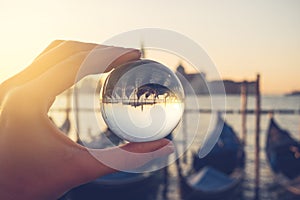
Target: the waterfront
pixel 269 190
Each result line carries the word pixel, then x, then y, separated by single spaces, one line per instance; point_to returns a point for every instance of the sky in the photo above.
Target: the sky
pixel 242 37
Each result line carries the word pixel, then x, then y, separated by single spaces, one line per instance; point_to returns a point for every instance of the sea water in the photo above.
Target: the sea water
pixel 269 189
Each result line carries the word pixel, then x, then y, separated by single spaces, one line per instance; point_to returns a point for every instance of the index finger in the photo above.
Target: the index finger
pixel 53 54
pixel 68 72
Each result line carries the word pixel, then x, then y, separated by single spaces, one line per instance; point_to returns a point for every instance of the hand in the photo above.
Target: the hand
pixel 37 161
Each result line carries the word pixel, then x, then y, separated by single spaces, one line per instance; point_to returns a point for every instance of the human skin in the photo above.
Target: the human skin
pixel 38 161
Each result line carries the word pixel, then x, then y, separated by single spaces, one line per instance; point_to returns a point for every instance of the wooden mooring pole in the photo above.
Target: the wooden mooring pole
pixel 185 137
pixel 76 102
pixel 257 138
pixel 243 111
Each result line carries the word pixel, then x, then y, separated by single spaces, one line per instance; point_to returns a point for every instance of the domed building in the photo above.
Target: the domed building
pixel 198 84
pixel 197 81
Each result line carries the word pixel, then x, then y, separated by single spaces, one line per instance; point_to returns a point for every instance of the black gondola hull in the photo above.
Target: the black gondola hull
pixel 220 173
pixel 129 188
pixel 283 153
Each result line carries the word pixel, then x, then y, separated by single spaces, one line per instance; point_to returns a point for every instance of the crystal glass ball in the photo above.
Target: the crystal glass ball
pixel 142 101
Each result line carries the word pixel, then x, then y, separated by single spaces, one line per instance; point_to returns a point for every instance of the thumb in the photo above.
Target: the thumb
pixel 98 162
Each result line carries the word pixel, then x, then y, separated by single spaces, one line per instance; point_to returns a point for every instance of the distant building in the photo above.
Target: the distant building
pixel 198 84
pixel 192 83
pixel 294 93
pixel 231 87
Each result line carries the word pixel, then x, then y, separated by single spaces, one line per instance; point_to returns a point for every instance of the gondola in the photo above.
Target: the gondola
pixel 283 153
pixel 220 172
pixel 119 185
pixel 66 126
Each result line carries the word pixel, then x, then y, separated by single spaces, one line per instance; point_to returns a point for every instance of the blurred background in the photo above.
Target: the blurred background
pixel 243 38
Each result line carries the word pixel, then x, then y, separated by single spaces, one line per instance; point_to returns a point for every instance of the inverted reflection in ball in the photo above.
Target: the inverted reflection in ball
pixel 142 101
